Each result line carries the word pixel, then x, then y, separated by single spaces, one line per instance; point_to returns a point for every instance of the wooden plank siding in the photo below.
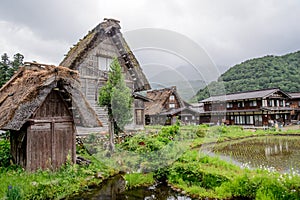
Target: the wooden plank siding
pixel 51 135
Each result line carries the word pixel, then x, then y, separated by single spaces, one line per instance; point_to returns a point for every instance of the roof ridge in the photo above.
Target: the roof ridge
pixel 248 91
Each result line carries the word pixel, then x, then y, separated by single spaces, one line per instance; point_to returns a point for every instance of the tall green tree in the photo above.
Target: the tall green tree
pixel 117 97
pixel 4 68
pixel 8 67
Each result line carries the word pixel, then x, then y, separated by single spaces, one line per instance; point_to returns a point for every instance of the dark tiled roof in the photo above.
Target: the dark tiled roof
pixel 244 95
pixel 295 95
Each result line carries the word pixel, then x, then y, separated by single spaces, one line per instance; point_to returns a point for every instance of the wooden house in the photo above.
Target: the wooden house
pixel 92 56
pixel 254 108
pixel 166 106
pixel 37 106
pixel 294 104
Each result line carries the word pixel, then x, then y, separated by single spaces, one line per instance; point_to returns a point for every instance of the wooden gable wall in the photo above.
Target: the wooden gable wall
pixel 48 138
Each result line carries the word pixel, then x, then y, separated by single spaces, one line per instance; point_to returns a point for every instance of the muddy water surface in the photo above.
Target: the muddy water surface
pixel 281 153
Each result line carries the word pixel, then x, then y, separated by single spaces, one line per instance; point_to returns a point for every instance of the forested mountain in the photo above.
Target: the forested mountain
pixel 8 67
pixel 259 73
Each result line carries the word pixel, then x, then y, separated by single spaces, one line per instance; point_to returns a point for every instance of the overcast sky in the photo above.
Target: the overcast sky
pixel 230 31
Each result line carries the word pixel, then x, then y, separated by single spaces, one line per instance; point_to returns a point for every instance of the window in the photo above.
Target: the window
pixel 242 119
pixel 229 105
pixel 241 104
pixel 104 63
pixel 237 119
pixel 172 98
pixel 280 103
pixel 249 119
pixel 172 105
pixel 253 103
pixel 257 120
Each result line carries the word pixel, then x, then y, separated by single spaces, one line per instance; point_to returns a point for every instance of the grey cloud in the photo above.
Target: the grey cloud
pixel 230 31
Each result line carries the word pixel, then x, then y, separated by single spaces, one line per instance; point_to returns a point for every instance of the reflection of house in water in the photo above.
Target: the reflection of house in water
pixel 274 149
pixel 166 106
pixel 92 56
pixel 256 108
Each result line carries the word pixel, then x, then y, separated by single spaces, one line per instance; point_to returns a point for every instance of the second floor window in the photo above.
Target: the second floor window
pixel 229 105
pixel 280 103
pixel 172 105
pixel 172 98
pixel 104 63
pixel 253 103
pixel 241 104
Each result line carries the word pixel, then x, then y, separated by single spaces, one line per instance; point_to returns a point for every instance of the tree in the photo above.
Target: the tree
pixel 4 68
pixel 16 63
pixel 8 67
pixel 259 73
pixel 116 96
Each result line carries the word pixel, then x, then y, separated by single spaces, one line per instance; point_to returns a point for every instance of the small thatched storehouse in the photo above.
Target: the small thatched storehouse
pixel 92 56
pixel 37 106
pixel 166 106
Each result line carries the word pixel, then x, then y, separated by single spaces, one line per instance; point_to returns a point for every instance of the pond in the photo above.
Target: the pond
pixel 280 153
pixel 114 188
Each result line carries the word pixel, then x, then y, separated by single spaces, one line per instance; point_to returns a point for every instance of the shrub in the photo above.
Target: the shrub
pixel 14 193
pixel 201 131
pixel 5 155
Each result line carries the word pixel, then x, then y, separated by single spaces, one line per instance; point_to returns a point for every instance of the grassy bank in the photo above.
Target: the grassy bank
pixel 15 183
pixel 202 176
pixel 160 153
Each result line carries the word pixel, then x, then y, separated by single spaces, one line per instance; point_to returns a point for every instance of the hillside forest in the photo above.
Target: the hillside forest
pixel 259 73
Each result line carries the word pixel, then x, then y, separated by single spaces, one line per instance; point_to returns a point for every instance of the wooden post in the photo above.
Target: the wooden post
pixel 111 134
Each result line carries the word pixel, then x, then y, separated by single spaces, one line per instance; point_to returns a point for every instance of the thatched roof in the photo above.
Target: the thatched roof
pixel 109 29
pixel 159 99
pixel 25 92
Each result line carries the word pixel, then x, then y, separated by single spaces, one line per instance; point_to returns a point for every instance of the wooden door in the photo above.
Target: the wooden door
pixel 49 144
pixel 39 150
pixel 50 135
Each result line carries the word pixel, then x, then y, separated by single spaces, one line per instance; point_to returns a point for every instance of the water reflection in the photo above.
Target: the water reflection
pixel 279 152
pixel 162 192
pixel 114 189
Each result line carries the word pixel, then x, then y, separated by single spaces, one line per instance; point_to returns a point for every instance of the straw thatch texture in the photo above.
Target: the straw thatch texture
pixel 107 30
pixel 159 99
pixel 28 88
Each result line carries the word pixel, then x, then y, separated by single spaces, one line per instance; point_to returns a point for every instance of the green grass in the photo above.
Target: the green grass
pixel 137 180
pixel 69 180
pixel 204 176
pixel 167 153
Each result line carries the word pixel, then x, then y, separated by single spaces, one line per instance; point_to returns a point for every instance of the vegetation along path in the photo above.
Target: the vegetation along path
pixel 158 154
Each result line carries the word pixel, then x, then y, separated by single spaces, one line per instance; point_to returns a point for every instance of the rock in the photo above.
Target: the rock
pixel 89 178
pixel 82 161
pixel 99 175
